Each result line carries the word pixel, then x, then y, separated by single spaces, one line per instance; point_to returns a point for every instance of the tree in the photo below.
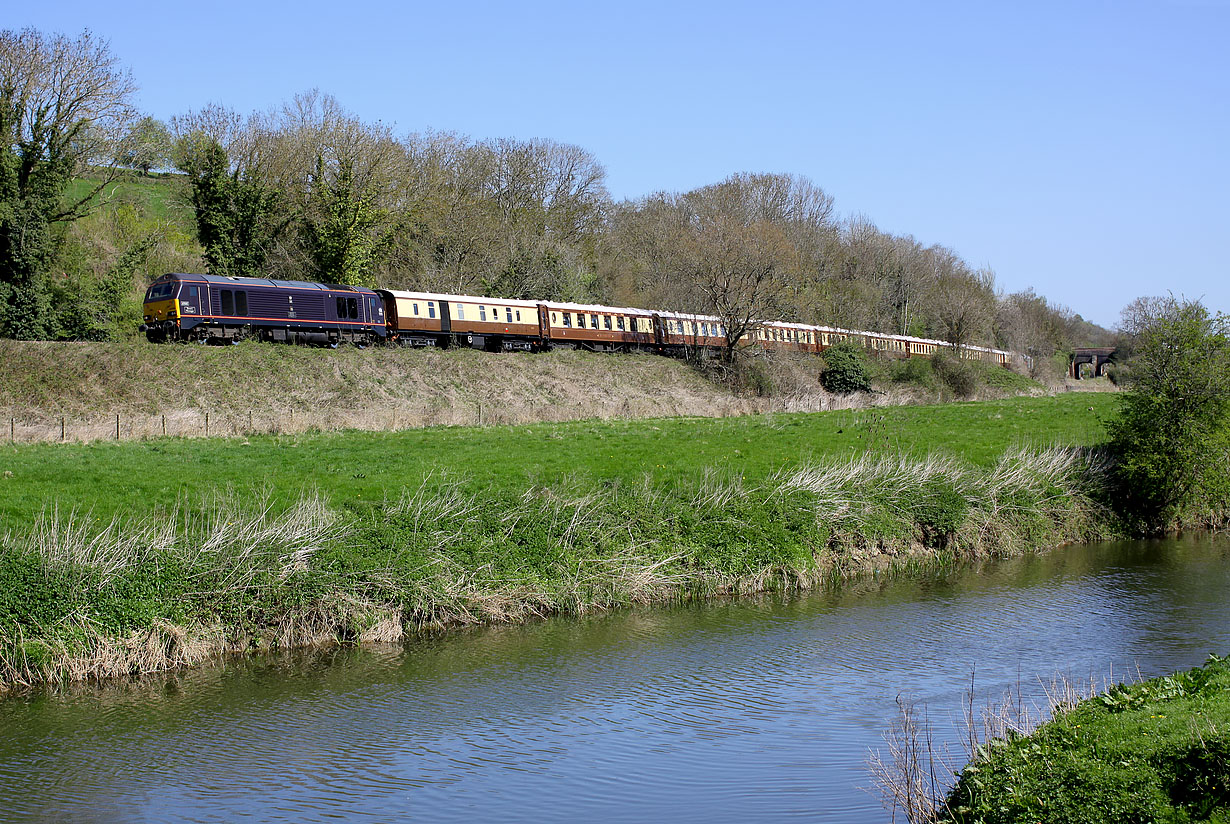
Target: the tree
pixel 1171 439
pixel 731 250
pixel 239 216
pixel 63 104
pixel 964 303
pixel 147 145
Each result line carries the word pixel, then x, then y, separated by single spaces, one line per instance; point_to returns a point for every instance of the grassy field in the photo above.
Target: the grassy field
pixel 355 467
pixel 121 558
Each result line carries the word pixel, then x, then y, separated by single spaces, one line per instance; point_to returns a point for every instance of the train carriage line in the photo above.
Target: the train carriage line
pixel 218 309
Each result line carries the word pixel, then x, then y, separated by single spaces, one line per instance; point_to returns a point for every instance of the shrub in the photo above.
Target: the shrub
pixel 913 370
pixel 845 369
pixel 1172 435
pixel 954 373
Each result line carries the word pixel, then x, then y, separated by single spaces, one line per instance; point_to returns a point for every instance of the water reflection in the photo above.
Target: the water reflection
pixel 757 709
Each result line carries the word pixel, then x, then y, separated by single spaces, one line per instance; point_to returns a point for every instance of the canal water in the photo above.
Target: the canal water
pixel 752 710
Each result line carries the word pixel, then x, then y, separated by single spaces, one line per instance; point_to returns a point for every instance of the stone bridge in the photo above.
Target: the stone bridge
pixel 1098 357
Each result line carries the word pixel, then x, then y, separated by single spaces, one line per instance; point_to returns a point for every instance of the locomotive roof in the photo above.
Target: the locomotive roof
pixel 280 284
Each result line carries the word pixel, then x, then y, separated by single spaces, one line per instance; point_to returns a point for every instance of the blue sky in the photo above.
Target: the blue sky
pixel 1079 148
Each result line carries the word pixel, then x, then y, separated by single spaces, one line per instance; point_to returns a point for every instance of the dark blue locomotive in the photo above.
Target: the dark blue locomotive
pixel 212 309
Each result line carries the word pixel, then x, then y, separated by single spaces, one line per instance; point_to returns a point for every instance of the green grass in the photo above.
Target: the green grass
pixel 1155 751
pixel 118 558
pixel 161 197
pixel 354 467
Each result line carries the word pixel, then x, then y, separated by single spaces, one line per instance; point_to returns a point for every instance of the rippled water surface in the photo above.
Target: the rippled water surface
pixel 758 710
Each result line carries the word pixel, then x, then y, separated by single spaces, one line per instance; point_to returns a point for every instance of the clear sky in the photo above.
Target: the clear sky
pixel 1076 147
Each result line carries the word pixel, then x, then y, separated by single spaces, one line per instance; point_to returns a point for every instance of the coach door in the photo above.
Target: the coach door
pixel 544 322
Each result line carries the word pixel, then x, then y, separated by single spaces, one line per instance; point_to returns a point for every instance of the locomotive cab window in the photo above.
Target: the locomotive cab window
pixel 228 302
pixel 241 303
pixel 352 308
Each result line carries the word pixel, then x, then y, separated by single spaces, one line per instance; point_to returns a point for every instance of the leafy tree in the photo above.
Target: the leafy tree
pixel 147 145
pixel 1171 439
pixel 845 369
pixel 342 229
pixel 237 216
pixel 63 103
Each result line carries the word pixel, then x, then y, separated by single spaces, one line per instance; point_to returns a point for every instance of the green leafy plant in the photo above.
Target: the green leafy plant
pixel 845 369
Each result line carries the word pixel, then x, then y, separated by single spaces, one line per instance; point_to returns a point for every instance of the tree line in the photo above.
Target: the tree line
pixel 308 190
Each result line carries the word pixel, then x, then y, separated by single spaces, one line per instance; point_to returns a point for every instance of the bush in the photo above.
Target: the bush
pixel 954 373
pixel 845 369
pixel 1172 437
pixel 917 371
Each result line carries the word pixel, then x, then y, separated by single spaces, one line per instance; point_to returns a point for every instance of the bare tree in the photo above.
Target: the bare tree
pixel 730 250
pixel 964 304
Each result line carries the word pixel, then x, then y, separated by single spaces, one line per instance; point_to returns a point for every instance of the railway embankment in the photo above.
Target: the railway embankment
pixel 80 391
pixel 125 558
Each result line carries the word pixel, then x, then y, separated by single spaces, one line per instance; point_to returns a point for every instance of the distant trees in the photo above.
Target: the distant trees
pixel 1171 439
pixel 64 102
pixel 146 145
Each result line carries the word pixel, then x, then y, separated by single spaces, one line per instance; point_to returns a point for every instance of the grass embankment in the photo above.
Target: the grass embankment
pixel 120 558
pixel 75 390
pixel 1158 750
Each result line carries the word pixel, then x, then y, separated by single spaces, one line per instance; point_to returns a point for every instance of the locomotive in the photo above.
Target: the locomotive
pixel 214 309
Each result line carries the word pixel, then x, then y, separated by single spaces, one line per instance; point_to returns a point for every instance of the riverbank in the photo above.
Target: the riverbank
pixel 1156 750
pixel 130 558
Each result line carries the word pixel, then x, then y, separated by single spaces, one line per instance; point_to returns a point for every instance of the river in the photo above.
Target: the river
pixel 751 710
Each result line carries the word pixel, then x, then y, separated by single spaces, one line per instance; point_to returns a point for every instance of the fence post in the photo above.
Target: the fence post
pixel 164 426
pixel 207 424
pixel 249 421
pixel 61 428
pixel 13 429
pixel 117 426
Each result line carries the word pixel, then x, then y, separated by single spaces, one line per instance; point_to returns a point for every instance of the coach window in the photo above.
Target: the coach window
pixel 508 315
pixel 568 320
pixel 606 321
pixel 416 308
pixel 580 321
pixel 241 303
pixel 482 312
pixel 431 308
pixel 619 323
pixel 228 302
pixel 461 311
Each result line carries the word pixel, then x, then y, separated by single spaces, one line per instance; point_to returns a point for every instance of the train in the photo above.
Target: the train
pixel 214 309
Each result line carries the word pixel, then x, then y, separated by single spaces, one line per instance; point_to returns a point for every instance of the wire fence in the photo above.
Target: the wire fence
pixel 41 427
